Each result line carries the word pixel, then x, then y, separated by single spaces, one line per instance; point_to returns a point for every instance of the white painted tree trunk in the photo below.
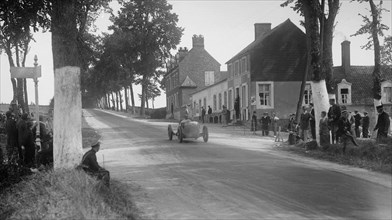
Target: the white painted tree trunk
pixel 67 122
pixel 321 103
pixel 376 103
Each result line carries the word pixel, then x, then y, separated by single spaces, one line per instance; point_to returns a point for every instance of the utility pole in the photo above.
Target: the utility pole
pixel 38 139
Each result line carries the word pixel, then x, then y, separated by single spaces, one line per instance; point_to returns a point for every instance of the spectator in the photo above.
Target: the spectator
pixel 334 114
pixel 253 126
pixel 224 115
pixel 275 120
pixel 324 130
pixel 91 166
pixel 383 124
pixel 304 123
pixel 344 130
pixel 357 123
pixel 209 113
pixel 25 140
pixel 365 125
pixel 12 136
pixel 203 114
pixel 291 126
pixel 265 122
pixel 312 122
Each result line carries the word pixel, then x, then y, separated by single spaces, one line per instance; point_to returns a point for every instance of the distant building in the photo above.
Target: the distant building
pixel 188 72
pixel 354 85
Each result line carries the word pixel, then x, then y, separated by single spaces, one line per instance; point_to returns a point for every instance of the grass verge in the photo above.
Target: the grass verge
pixel 66 194
pixel 369 154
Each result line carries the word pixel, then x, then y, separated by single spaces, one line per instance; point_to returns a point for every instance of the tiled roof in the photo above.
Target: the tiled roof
pixel 362 82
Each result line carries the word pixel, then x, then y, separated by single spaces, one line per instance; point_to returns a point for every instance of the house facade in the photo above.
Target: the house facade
pixel 266 75
pixel 353 85
pixel 189 72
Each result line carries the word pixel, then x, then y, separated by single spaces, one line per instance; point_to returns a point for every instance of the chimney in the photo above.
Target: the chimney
pixel 346 56
pixel 198 41
pixel 261 29
pixel 182 52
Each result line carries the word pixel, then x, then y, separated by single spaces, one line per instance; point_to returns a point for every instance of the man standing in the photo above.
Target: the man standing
pixel 344 130
pixel 305 117
pixel 312 122
pixel 334 114
pixel 365 125
pixel 12 136
pixel 383 124
pixel 324 130
pixel 203 114
pixel 253 126
pixel 209 113
pixel 26 140
pixel 91 167
pixel 265 122
pixel 357 123
pixel 275 120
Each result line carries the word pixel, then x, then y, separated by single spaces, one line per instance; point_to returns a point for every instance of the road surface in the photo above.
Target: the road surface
pixel 231 176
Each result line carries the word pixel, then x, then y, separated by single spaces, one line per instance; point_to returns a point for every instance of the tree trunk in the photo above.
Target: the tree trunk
pixel 67 140
pixel 121 100
pixel 117 102
pixel 319 88
pixel 142 110
pixel 132 98
pixel 126 98
pixel 152 102
pixel 113 101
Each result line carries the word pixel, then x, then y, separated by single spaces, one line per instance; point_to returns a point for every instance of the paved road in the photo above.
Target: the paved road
pixel 230 177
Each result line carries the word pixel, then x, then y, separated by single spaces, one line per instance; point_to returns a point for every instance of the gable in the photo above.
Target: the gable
pixel 188 82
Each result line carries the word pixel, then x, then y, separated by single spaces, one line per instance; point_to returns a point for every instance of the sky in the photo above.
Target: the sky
pixel 227 27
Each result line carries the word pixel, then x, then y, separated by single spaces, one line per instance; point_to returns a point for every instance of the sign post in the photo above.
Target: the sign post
pixel 34 73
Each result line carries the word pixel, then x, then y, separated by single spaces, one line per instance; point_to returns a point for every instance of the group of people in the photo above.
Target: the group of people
pixel 21 133
pixel 266 122
pixel 340 123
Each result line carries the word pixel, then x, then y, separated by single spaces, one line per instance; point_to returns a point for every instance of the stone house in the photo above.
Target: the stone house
pixel 189 72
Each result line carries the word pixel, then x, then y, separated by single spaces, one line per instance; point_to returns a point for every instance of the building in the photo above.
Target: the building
pixel 188 72
pixel 266 75
pixel 354 85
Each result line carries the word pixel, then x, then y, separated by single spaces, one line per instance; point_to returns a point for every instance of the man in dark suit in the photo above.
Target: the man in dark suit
pixel 334 114
pixel 90 165
pixel 365 125
pixel 383 124
pixel 357 123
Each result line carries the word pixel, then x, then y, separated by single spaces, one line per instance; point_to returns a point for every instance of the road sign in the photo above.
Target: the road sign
pixel 26 72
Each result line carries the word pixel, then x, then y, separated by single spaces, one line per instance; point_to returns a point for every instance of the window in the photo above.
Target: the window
pixel 344 96
pixel 220 101
pixel 388 94
pixel 209 78
pixel 214 103
pixel 246 63
pixel 236 68
pixel 307 95
pixel 243 65
pixel 225 98
pixel 265 95
pixel 344 92
pixel 386 89
pixel 244 98
pixel 230 70
pixel 199 107
pixel 230 99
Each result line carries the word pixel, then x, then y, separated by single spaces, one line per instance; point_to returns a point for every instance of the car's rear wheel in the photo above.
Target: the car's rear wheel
pixel 205 133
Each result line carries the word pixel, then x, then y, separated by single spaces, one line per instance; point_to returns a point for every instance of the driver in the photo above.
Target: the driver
pixel 186 116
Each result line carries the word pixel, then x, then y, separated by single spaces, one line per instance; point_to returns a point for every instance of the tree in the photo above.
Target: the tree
pixel 386 51
pixel 374 27
pixel 17 20
pixel 319 33
pixel 154 32
pixel 66 25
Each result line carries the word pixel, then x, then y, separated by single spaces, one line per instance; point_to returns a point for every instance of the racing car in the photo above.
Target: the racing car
pixel 188 129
